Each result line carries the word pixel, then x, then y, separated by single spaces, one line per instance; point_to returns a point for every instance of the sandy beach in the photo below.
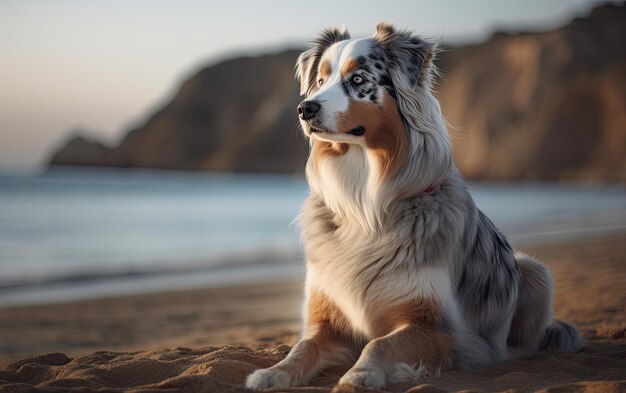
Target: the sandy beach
pixel 208 340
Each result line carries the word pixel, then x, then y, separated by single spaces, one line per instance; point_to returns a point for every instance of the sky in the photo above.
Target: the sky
pixel 103 66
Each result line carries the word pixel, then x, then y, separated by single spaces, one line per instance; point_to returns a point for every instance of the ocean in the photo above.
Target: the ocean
pixel 81 233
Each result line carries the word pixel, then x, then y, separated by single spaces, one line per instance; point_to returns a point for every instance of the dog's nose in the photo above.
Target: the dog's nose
pixel 308 109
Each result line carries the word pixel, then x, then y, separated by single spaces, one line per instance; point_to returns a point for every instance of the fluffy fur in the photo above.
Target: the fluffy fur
pixel 405 275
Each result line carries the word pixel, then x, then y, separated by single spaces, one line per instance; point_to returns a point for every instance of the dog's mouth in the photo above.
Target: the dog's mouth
pixel 356 131
pixel 317 129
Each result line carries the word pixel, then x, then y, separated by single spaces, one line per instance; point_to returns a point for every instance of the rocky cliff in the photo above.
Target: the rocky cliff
pixel 541 105
pixel 523 106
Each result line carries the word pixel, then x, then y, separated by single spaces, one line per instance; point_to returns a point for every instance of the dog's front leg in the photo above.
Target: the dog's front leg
pixel 402 356
pixel 321 349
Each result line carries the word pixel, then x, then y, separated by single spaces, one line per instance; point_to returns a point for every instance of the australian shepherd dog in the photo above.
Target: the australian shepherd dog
pixel 405 275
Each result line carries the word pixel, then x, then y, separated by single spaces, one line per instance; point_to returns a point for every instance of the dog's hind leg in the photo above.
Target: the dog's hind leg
pixel 533 328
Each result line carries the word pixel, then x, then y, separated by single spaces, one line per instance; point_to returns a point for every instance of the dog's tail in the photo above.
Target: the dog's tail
pixel 561 336
pixel 533 327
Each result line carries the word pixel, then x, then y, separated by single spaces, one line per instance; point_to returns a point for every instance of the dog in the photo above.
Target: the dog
pixel 405 275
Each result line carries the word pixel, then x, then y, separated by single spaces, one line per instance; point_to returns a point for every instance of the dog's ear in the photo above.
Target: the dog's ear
pixel 308 61
pixel 409 57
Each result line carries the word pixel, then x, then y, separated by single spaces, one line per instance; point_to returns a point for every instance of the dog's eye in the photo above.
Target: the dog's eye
pixel 320 82
pixel 357 79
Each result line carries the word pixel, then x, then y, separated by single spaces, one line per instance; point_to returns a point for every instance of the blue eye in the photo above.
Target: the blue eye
pixel 357 79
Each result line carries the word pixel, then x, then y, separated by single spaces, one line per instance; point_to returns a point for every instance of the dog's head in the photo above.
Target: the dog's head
pixel 351 83
pixel 372 95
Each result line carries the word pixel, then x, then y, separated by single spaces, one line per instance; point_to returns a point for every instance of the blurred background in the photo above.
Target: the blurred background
pixel 153 145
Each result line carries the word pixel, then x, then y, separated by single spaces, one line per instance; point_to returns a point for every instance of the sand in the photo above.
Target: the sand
pixel 176 341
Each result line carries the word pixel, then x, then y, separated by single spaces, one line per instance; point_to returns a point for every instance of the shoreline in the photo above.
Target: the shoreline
pixel 250 269
pixel 97 287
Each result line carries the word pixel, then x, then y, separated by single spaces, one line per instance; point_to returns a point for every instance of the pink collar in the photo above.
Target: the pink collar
pixel 430 190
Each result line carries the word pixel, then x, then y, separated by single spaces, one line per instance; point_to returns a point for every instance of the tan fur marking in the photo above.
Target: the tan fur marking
pixel 385 133
pixel 422 312
pixel 325 69
pixel 390 142
pixel 321 311
pixel 334 149
pixel 413 344
pixel 348 67
pixel 411 333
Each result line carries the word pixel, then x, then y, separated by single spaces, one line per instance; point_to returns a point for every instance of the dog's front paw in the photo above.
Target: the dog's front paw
pixel 369 378
pixel 402 372
pixel 269 378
